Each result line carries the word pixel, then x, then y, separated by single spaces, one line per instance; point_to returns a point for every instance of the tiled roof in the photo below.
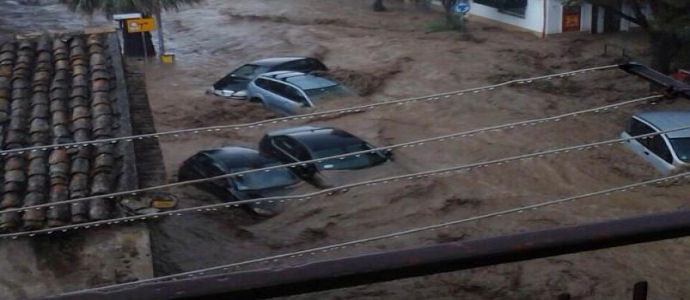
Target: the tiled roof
pixel 57 90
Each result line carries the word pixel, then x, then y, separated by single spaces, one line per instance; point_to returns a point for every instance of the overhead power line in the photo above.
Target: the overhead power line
pixel 419 142
pixel 342 188
pixel 300 117
pixel 353 243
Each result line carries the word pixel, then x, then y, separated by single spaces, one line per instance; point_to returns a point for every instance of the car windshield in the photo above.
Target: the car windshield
pixel 249 71
pixel 349 162
pixel 682 148
pixel 273 178
pixel 334 91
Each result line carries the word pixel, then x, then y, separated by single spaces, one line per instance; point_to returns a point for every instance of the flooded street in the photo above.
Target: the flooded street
pixel 393 55
pixel 27 16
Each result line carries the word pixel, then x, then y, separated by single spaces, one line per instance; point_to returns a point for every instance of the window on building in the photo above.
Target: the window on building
pixel 511 7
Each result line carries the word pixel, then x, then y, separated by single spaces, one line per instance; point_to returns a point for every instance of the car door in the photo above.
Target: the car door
pixel 286 99
pixel 207 168
pixel 654 149
pixel 292 151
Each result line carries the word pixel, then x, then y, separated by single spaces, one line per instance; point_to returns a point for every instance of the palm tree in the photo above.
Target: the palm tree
pixel 110 7
pixel 146 7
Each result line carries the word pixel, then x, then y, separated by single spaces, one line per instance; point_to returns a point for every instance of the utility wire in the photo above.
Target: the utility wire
pixel 359 108
pixel 414 143
pixel 343 188
pixel 333 247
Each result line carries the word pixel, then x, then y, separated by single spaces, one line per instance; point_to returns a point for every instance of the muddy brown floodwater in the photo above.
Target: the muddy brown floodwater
pixel 391 55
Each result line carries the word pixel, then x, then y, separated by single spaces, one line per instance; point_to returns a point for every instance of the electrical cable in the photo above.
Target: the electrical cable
pixel 342 188
pixel 414 143
pixel 322 249
pixel 359 108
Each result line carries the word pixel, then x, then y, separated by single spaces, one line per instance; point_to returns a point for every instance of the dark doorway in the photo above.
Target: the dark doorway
pixel 571 18
pixel 612 21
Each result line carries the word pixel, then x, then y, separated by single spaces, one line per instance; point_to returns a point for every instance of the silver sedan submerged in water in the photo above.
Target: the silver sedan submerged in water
pixel 234 84
pixel 667 151
pixel 292 93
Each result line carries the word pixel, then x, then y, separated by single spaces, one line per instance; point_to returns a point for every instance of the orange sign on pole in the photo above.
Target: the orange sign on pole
pixel 139 25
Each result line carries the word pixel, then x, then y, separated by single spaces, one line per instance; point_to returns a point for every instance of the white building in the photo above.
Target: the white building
pixel 544 17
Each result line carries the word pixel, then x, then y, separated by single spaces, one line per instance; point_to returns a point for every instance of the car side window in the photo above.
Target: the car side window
pixel 313 64
pixel 202 161
pixel 294 94
pixel 206 166
pixel 290 93
pixel 655 143
pixel 263 83
pixel 299 65
pixel 283 144
pixel 637 128
pixel 291 147
pixel 659 147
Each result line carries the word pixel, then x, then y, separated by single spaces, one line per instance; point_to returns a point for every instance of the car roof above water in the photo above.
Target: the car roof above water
pixel 274 61
pixel 236 157
pixel 302 80
pixel 318 137
pixel 668 120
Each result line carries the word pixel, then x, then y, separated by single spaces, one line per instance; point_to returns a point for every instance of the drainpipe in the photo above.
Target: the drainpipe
pixel 543 30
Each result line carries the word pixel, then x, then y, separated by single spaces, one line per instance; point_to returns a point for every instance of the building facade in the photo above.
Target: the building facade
pixel 544 17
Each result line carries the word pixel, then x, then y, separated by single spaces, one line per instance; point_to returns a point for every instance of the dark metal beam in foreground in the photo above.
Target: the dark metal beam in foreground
pixel 671 86
pixel 360 270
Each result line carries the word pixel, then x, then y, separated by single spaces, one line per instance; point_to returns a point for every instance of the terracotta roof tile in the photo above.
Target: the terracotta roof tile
pixel 54 90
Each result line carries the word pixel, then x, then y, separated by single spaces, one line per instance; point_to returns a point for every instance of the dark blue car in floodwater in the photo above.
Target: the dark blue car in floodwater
pixel 227 160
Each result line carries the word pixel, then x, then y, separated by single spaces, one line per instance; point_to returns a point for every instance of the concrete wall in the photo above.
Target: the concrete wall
pixel 586 17
pixel 533 20
pixel 534 16
pixel 554 11
pixel 47 265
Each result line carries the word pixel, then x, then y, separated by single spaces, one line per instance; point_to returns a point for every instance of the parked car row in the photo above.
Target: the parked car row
pixel 287 86
pixel 283 85
pixel 276 148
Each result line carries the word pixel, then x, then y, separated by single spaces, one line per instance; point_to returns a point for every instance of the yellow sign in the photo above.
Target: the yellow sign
pixel 139 25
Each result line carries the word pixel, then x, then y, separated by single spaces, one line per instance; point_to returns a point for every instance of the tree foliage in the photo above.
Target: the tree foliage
pixel 666 21
pixel 110 7
pixel 664 15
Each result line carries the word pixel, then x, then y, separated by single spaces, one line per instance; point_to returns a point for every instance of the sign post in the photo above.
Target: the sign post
pixel 141 25
pixel 461 8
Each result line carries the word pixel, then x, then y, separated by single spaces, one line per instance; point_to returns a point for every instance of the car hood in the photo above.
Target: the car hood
pixel 332 178
pixel 298 188
pixel 236 88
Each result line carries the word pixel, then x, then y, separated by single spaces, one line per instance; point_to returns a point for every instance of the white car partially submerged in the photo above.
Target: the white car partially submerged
pixel 668 151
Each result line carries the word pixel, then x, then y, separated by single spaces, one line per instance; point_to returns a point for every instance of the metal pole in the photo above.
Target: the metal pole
pixel 380 267
pixel 159 21
pixel 143 43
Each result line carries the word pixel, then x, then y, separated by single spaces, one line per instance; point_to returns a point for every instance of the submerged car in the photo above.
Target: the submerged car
pixel 667 152
pixel 234 85
pixel 290 93
pixel 217 162
pixel 308 143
